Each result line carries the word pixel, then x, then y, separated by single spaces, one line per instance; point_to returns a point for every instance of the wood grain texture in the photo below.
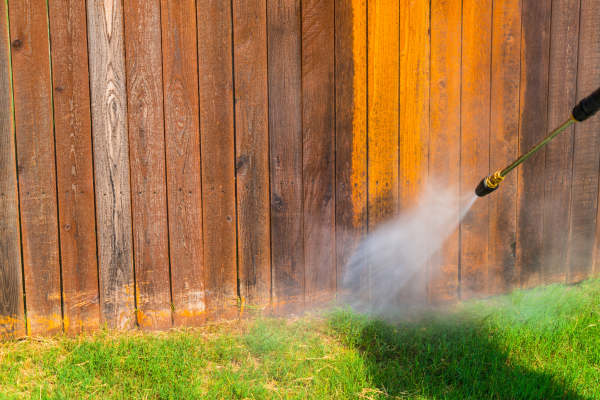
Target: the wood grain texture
pixel 111 162
pixel 504 140
pixel 351 143
pixel 383 110
pixel 586 158
pixel 12 323
pixel 218 161
pixel 444 151
pixel 252 151
pixel 74 165
pixel 415 55
pixel 318 166
pixel 285 138
pixel 562 92
pixel 147 163
pixel 535 46
pixel 182 133
pixel 36 167
pixel 475 144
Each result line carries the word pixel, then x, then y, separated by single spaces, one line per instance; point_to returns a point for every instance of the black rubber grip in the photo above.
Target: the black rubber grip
pixel 482 189
pixel 587 107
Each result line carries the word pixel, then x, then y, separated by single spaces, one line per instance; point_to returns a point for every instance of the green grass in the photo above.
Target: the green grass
pixel 538 344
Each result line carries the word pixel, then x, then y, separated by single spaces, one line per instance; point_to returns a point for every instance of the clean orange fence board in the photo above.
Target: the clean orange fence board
pixel 562 92
pixel 111 162
pixel 182 135
pixel 75 170
pixel 504 140
pixel 147 160
pixel 252 151
pixel 318 125
pixel 218 158
pixel 475 143
pixel 535 45
pixel 35 158
pixel 12 324
pixel 586 157
pixel 444 151
pixel 351 142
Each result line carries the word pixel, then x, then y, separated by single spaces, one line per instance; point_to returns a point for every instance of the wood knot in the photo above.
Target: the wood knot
pixel 278 204
pixel 67 227
pixel 17 44
pixel 229 218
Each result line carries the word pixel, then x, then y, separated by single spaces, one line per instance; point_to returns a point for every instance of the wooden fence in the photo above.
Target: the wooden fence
pixel 167 162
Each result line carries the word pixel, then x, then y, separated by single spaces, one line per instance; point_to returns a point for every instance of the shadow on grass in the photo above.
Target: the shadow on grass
pixel 443 359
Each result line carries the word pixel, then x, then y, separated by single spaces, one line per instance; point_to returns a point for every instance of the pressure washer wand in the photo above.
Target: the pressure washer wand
pixel 582 111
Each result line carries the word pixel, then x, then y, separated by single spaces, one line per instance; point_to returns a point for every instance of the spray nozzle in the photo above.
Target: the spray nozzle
pixel 488 184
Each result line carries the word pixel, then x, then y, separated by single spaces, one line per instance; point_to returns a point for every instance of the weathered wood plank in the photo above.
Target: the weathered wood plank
pixel 535 47
pixel 285 137
pixel 182 132
pixel 75 169
pixel 252 151
pixel 318 166
pixel 111 162
pixel 218 160
pixel 12 323
pixel 36 166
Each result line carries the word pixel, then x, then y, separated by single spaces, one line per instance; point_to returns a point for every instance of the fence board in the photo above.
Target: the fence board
pixel 36 168
pixel 73 135
pixel 285 137
pixel 444 152
pixel 218 161
pixel 252 151
pixel 535 42
pixel 504 133
pixel 351 143
pixel 318 125
pixel 182 133
pixel 111 162
pixel 475 144
pixel 12 324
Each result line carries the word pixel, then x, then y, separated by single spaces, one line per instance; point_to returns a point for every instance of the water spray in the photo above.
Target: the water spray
pixel 582 111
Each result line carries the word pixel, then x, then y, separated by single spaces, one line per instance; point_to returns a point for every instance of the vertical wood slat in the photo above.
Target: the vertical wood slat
pixel 504 133
pixel 444 152
pixel 73 133
pixel 383 109
pixel 36 164
pixel 111 162
pixel 535 46
pixel 218 161
pixel 182 133
pixel 586 158
pixel 562 92
pixel 318 166
pixel 252 151
pixel 475 144
pixel 351 143
pixel 147 163
pixel 12 324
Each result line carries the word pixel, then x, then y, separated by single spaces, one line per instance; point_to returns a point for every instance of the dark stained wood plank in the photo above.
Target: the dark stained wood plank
pixel 285 137
pixel 218 158
pixel 111 162
pixel 562 92
pixel 475 144
pixel 74 165
pixel 182 132
pixel 318 166
pixel 351 144
pixel 586 157
pixel 504 139
pixel 252 151
pixel 147 163
pixel 36 166
pixel 12 323
pixel 535 46
pixel 444 152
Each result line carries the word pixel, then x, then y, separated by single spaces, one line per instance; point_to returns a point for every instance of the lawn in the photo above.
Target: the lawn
pixel 537 344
